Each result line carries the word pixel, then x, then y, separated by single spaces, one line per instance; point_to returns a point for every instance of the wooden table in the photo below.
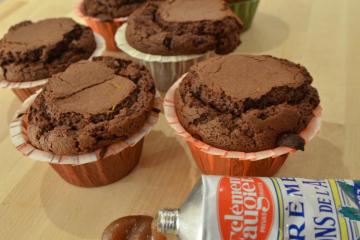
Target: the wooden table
pixel 324 36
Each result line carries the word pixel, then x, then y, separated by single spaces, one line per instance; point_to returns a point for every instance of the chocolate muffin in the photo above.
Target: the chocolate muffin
pixel 246 103
pixel 110 9
pixel 90 105
pixel 31 51
pixel 181 27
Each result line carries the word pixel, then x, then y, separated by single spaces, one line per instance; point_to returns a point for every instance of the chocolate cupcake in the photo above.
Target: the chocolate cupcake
pixel 170 36
pixel 245 106
pixel 90 105
pixel 105 17
pixel 31 51
pixel 110 9
pixel 245 103
pixel 89 121
pixel 183 27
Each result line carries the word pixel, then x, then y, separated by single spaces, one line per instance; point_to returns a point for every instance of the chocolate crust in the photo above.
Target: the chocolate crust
pixel 32 51
pixel 251 121
pixel 149 32
pixel 91 105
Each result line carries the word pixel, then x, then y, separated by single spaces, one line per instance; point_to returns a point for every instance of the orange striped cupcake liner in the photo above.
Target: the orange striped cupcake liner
pixel 106 29
pixel 216 161
pixel 23 90
pixel 18 134
pixel 98 168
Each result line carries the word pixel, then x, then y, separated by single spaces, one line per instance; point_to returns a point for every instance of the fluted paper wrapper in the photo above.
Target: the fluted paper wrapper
pixel 18 132
pixel 216 161
pixel 101 167
pixel 25 89
pixel 245 10
pixel 164 69
pixel 106 29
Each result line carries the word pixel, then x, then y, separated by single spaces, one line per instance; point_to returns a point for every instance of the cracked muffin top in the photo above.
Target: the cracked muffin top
pixel 181 27
pixel 90 105
pixel 246 103
pixel 31 51
pixel 107 10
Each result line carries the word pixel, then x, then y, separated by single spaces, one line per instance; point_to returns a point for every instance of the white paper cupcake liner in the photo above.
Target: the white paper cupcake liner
pixel 100 48
pixel 170 113
pixel 164 69
pixel 18 134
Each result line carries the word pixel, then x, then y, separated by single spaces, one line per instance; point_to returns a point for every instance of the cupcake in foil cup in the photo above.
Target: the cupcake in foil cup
pixel 91 130
pixel 170 36
pixel 243 115
pixel 164 69
pixel 245 10
pixel 105 17
pixel 47 47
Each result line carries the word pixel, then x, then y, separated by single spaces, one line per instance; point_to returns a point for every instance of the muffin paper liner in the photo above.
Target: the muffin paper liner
pixel 18 133
pixel 245 10
pixel 100 48
pixel 105 28
pixel 170 113
pixel 164 69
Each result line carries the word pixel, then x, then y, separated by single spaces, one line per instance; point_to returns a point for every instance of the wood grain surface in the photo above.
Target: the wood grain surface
pixel 323 35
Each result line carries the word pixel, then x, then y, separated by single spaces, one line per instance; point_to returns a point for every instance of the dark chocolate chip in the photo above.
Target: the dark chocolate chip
pixel 291 140
pixel 20 115
pixel 156 110
pixel 263 116
pixel 167 42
